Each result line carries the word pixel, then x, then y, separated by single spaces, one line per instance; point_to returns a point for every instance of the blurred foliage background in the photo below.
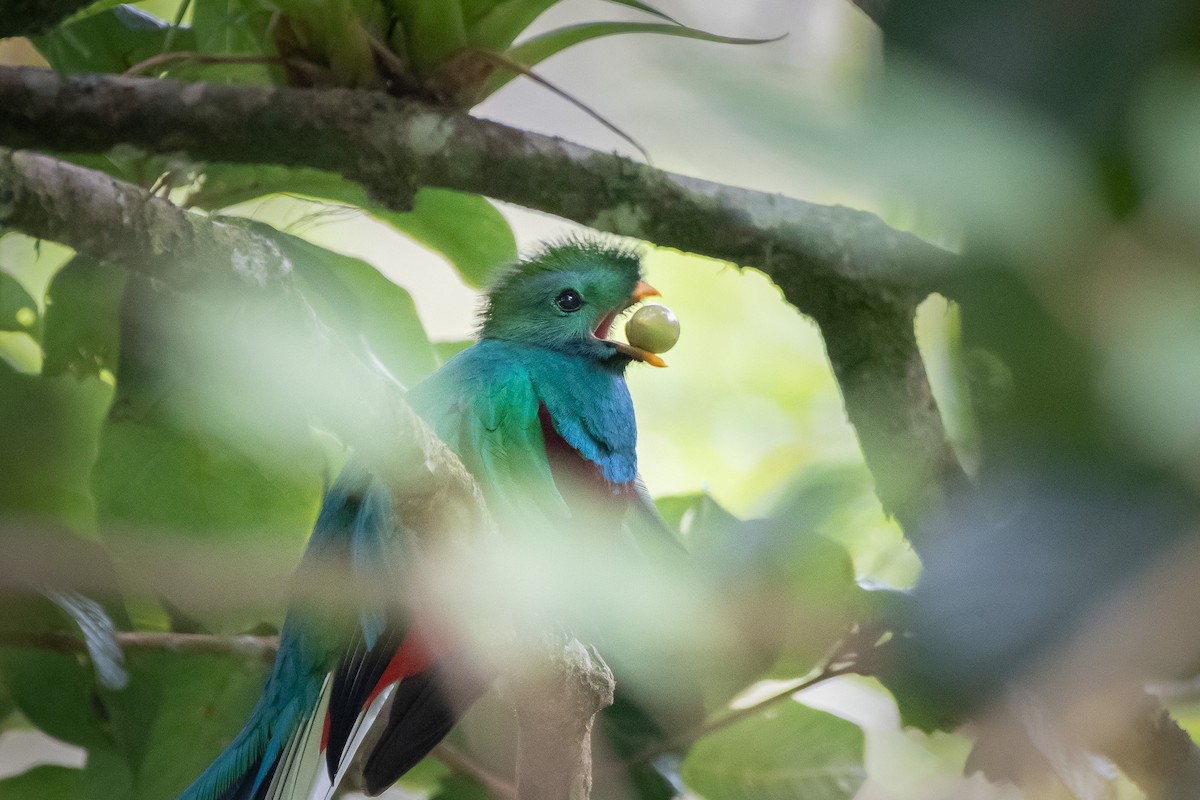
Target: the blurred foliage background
pixel 1053 145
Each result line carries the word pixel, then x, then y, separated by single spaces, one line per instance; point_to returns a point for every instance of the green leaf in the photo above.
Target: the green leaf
pixel 6 704
pixel 107 775
pixel 499 28
pixel 57 693
pixel 474 10
pixel 372 315
pixel 80 335
pixel 460 787
pixel 110 41
pixel 674 508
pixel 44 782
pixel 628 729
pixel 435 31
pixel 425 776
pixel 233 28
pixel 178 713
pixel 448 350
pixel 18 309
pixel 647 8
pixel 153 475
pixel 538 49
pixel 48 431
pixel 466 229
pixel 777 557
pixel 789 751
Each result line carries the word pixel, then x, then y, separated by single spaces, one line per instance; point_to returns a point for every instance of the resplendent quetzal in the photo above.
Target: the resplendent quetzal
pixel 539 412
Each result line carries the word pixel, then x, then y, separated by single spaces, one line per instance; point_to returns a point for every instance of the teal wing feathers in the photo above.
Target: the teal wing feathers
pixel 484 406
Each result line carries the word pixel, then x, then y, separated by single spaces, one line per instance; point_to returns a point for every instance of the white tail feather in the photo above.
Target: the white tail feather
pixel 301 763
pixel 323 789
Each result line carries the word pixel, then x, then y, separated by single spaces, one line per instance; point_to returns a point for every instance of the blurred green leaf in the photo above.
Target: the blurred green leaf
pixel 107 775
pixel 6 704
pixel 502 24
pixel 234 27
pixel 80 335
pixel 44 782
pixel 373 316
pixel 675 507
pixel 533 51
pixel 787 751
pixel 425 776
pixel 150 474
pixel 810 577
pixel 56 692
pixel 112 40
pixel 18 309
pixel 460 787
pixel 448 350
pixel 177 713
pixel 48 430
pixel 628 729
pixel 435 32
pixel 464 228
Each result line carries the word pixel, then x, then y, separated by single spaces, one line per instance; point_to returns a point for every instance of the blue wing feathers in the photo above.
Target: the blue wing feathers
pixel 354 527
pixel 588 403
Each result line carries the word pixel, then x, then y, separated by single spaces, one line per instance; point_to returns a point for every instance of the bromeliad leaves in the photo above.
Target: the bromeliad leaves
pixel 450 52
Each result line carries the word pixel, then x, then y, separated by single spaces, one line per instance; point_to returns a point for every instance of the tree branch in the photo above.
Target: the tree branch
pixel 392 148
pixel 873 349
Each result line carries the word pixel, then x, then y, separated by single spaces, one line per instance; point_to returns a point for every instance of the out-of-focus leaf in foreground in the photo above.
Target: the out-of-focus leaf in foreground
pixel 18 309
pixel 44 782
pixel 788 751
pixel 82 304
pixel 177 713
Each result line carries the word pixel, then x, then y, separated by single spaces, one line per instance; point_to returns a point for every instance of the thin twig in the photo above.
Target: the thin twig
pixel 200 58
pixel 246 646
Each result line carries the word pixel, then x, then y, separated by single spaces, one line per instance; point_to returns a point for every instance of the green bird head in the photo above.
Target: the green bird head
pixel 565 298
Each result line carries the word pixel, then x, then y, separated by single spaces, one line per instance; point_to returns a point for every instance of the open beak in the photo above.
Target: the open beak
pixel 640 293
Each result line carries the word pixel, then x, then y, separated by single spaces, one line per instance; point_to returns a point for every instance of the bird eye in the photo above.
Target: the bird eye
pixel 568 300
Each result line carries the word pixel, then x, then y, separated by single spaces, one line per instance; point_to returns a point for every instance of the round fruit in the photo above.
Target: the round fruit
pixel 654 329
